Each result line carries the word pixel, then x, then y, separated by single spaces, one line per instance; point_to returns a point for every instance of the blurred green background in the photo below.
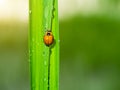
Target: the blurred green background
pixel 89 45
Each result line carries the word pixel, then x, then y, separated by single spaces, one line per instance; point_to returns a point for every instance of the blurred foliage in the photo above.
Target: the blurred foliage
pixel 14 56
pixel 90 53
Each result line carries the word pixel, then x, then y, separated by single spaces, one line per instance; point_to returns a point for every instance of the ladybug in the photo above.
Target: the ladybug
pixel 48 38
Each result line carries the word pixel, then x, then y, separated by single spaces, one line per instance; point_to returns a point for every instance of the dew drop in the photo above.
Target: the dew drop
pixel 29 51
pixel 38 44
pixel 59 40
pixel 30 11
pixel 32 51
pixel 45 63
pixel 29 60
pixel 45 26
pixel 33 40
pixel 45 79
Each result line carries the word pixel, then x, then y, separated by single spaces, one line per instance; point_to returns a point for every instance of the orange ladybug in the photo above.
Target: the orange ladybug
pixel 48 38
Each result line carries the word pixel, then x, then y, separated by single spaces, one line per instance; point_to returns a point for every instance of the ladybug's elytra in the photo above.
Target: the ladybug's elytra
pixel 48 38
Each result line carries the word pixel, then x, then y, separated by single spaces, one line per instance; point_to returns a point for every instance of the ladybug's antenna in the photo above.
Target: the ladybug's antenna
pixel 53 9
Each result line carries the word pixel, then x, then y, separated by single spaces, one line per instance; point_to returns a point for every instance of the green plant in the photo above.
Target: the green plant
pixel 44 60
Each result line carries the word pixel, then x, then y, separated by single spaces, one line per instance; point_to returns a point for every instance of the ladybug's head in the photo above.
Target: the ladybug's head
pixel 48 33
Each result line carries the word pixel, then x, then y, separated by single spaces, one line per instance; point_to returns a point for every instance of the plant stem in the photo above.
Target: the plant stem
pixel 44 60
